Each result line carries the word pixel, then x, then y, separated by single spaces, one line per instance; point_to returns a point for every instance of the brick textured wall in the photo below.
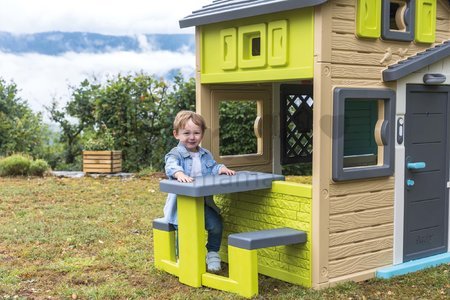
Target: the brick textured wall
pixel 285 205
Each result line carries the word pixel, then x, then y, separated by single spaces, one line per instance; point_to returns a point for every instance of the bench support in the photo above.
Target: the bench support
pixel 243 273
pixel 242 252
pixel 164 247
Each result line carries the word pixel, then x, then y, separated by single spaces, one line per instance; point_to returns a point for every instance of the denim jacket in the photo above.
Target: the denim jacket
pixel 179 159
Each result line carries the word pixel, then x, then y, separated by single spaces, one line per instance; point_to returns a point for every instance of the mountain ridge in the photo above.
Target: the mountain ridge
pixel 58 42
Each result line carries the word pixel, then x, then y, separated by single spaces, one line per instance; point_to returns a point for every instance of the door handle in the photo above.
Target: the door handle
pixel 416 165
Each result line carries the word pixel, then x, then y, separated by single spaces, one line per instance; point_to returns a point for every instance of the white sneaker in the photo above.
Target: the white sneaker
pixel 213 262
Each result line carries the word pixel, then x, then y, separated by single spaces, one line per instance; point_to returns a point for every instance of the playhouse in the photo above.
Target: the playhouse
pixel 359 88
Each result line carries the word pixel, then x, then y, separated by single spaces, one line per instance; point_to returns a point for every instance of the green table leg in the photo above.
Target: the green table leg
pixel 191 239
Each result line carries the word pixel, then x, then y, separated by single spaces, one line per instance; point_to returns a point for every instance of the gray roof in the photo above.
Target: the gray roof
pixel 225 10
pixel 417 62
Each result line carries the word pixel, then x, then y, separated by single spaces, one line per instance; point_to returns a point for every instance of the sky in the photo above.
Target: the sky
pixel 116 17
pixel 41 78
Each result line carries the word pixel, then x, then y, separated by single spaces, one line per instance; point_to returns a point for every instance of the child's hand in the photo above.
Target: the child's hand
pixel 225 170
pixel 181 177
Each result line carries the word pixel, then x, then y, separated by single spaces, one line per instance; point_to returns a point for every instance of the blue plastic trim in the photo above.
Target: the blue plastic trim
pixel 416 165
pixel 413 266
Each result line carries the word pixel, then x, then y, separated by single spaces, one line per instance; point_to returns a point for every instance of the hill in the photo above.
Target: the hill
pixel 57 43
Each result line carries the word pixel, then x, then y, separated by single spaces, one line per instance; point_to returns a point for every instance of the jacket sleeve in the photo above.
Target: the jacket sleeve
pixel 172 164
pixel 215 166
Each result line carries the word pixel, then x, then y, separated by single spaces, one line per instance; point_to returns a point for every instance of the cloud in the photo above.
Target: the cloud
pixel 42 77
pixel 116 17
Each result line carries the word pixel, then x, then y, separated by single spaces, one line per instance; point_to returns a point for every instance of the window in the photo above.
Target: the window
pixel 238 116
pixel 363 132
pixel 398 20
pixel 256 46
pixel 249 111
pixel 252 46
pixel 360 118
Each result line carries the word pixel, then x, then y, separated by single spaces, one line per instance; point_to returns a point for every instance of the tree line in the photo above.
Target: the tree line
pixel 137 111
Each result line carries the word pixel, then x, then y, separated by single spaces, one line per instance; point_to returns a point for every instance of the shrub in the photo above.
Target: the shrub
pixel 22 165
pixel 38 167
pixel 15 165
pixel 103 140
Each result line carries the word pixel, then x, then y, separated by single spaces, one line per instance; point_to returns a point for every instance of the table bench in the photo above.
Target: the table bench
pixel 190 266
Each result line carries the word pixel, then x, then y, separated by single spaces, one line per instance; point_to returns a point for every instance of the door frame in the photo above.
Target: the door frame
pixel 399 197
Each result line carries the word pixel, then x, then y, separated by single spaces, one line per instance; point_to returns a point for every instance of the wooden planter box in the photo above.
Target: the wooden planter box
pixel 102 161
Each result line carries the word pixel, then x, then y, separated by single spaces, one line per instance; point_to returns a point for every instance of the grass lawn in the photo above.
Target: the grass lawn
pixel 91 239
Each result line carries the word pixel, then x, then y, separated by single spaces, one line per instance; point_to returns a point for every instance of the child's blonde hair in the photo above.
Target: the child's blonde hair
pixel 184 116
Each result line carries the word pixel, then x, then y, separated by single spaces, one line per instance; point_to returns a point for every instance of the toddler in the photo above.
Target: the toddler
pixel 187 161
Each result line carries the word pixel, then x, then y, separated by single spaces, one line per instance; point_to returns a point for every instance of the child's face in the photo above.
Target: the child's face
pixel 190 136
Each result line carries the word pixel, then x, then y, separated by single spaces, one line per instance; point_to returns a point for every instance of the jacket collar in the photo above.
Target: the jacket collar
pixel 185 153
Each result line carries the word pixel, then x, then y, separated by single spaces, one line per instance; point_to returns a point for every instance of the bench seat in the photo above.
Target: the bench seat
pixel 266 238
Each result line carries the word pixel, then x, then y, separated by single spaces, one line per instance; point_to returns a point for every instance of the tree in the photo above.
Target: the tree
pixel 21 130
pixel 78 115
pixel 138 109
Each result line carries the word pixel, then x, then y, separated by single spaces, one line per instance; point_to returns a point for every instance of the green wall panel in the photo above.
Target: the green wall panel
pixel 270 47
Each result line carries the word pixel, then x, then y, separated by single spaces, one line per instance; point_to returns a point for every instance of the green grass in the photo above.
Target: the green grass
pixel 91 239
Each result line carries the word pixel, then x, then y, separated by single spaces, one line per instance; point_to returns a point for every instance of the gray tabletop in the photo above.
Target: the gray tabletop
pixel 221 184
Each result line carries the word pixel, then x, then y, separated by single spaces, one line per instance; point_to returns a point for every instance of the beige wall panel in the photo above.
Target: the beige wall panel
pixel 352 43
pixel 362 219
pixel 442 10
pixel 442 24
pixel 342 11
pixel 363 247
pixel 321 143
pixel 361 234
pixel 322 41
pixel 360 202
pixel 358 83
pixel 441 36
pixel 344 26
pixel 358 276
pixel 359 58
pixel 345 2
pixel 360 263
pixel 356 72
pixel 361 186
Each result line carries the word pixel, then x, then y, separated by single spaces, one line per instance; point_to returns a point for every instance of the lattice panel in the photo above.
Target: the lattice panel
pixel 296 123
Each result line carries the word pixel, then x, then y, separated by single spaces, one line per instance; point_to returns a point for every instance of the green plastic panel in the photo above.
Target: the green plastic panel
pixel 228 54
pixel 247 35
pixel 270 47
pixel 368 18
pixel 425 21
pixel 277 43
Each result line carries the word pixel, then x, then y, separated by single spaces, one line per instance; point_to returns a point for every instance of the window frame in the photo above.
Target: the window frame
pixel 385 166
pixel 263 100
pixel 387 33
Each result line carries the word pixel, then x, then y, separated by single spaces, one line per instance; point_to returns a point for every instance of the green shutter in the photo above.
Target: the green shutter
pixel 368 18
pixel 425 21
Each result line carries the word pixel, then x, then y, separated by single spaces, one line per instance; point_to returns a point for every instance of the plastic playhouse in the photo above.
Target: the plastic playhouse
pixel 359 88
